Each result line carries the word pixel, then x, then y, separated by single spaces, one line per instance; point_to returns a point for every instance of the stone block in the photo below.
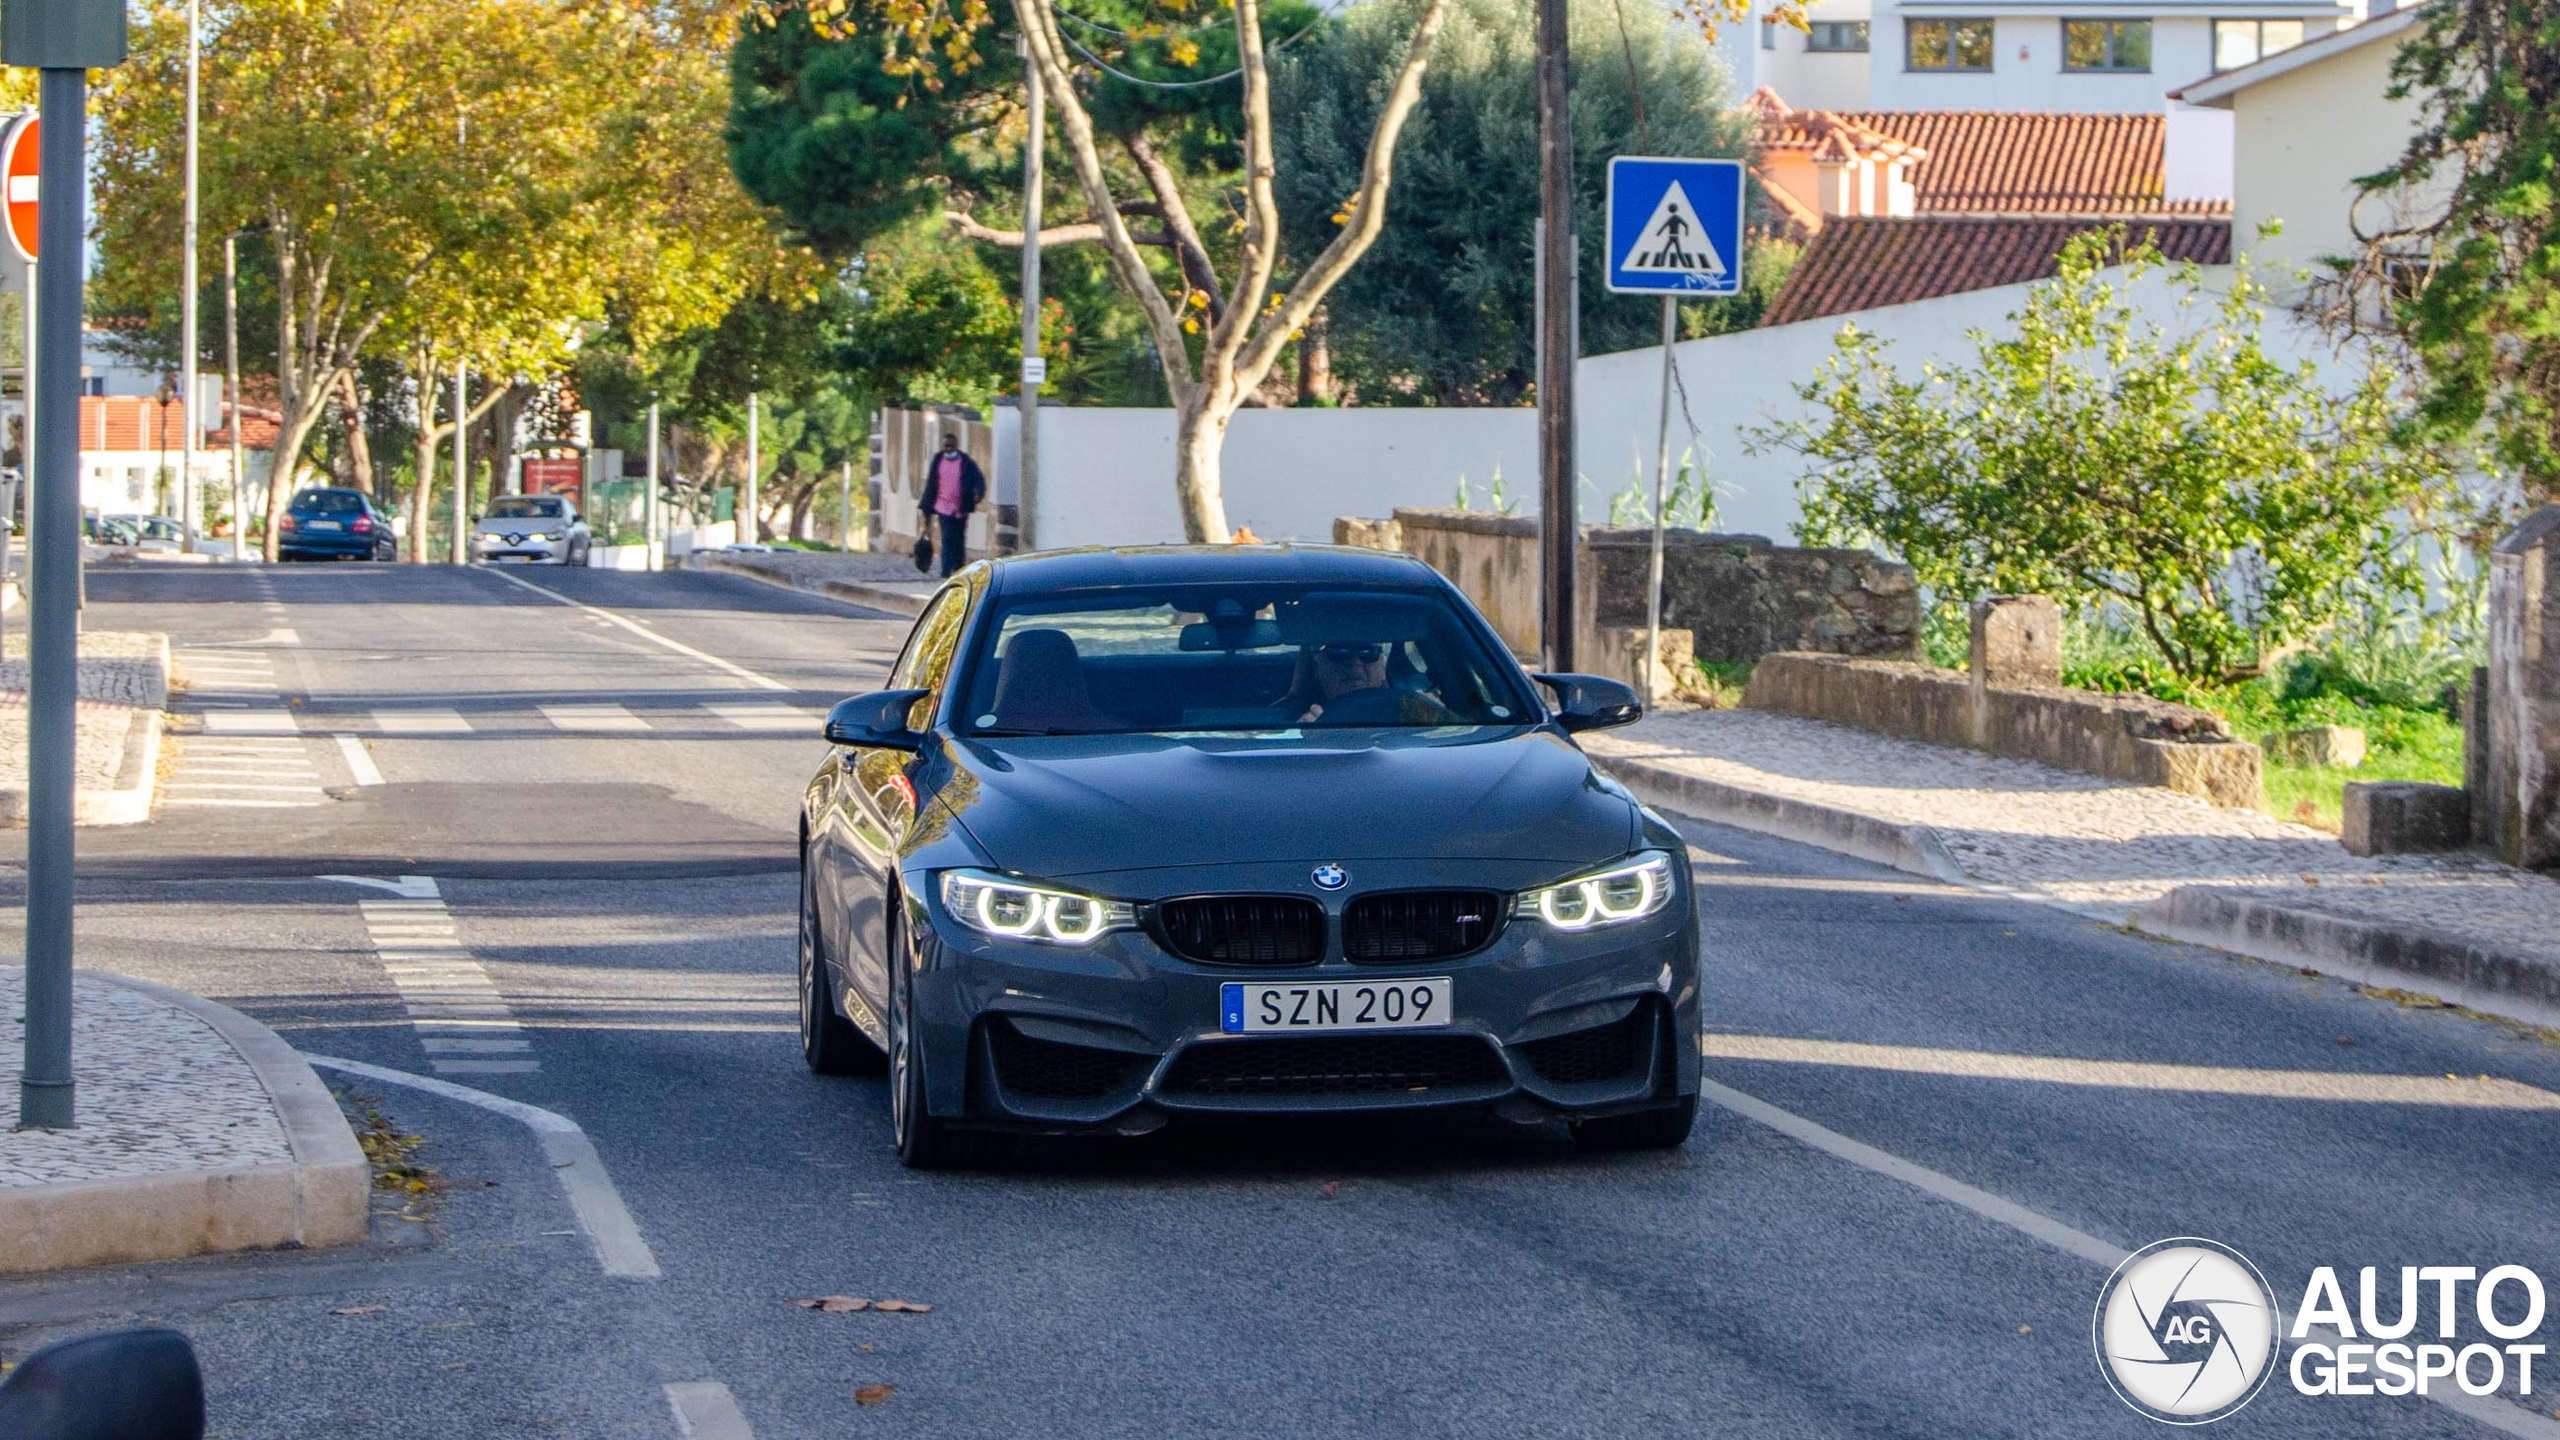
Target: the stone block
pixel 2518 802
pixel 1368 534
pixel 2017 640
pixel 2401 817
pixel 2339 747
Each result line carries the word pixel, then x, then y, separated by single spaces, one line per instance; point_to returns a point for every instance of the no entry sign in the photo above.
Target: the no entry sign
pixel 18 184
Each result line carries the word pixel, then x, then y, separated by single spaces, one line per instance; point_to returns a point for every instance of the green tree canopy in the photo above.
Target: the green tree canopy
pixel 2227 503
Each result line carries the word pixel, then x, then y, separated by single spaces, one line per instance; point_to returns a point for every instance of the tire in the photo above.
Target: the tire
pixel 831 1044
pixel 924 1141
pixel 1663 1128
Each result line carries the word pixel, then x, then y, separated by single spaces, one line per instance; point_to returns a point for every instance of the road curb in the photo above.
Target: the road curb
pixel 322 1198
pixel 2446 967
pixel 1913 849
pixel 853 592
pixel 128 801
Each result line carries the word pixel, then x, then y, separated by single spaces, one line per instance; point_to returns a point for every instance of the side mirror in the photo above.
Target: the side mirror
pixel 877 720
pixel 123 1385
pixel 1592 702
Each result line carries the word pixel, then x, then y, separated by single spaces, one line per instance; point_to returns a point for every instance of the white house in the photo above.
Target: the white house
pixel 131 446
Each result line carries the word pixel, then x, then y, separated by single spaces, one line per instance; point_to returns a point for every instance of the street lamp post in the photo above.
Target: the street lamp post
pixel 747 513
pixel 191 513
pixel 649 510
pixel 461 471
pixel 231 379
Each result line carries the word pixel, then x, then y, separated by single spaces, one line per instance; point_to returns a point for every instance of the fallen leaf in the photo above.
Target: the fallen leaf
pixel 833 1304
pixel 866 1347
pixel 873 1394
pixel 910 1307
pixel 361 1310
pixel 2346 1039
pixel 2026 1329
pixel 1331 1188
pixel 1901 899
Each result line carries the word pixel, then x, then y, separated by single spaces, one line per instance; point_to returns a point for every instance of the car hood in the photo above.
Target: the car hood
pixel 1082 804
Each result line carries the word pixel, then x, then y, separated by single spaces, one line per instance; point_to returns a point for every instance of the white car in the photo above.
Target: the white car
pixel 531 530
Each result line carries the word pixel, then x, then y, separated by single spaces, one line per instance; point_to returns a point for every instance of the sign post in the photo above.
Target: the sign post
pixel 65 39
pixel 1675 228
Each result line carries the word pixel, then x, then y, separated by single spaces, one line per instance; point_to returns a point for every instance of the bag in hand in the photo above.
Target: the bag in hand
pixel 924 552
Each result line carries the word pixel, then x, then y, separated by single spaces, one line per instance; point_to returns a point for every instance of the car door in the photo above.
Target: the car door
pixel 874 806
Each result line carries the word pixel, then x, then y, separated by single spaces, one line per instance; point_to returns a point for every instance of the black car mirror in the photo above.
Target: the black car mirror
pixel 879 720
pixel 123 1385
pixel 1592 702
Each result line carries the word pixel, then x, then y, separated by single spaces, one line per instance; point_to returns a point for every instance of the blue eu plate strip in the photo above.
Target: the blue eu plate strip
pixel 1231 1008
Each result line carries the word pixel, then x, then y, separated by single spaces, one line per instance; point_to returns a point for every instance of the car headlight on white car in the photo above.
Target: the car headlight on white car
pixel 1016 910
pixel 1630 890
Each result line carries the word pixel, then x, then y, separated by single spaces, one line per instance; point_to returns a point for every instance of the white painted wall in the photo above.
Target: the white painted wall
pixel 1106 475
pixel 2198 153
pixel 1807 79
pixel 2300 140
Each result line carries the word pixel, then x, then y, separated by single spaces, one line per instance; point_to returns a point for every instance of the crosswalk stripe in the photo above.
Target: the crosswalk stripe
pixel 592 717
pixel 227 785
pixel 765 716
pixel 263 720
pixel 420 722
pixel 247 804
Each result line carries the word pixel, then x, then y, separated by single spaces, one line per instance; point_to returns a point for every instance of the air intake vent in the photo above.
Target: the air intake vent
pixel 1244 929
pixel 1421 924
pixel 1335 1065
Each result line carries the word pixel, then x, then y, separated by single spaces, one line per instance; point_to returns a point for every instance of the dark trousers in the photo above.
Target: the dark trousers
pixel 954 542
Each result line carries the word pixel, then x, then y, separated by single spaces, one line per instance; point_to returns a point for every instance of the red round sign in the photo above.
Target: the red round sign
pixel 18 184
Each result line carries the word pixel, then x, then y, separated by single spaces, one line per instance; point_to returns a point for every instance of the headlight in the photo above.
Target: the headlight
pixel 1012 910
pixel 1614 896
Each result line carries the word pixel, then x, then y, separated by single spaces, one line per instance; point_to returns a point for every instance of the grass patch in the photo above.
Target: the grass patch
pixel 1719 683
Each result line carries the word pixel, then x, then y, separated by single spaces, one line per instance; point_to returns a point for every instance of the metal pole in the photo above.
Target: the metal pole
pixel 1661 472
pixel 650 509
pixel 461 471
pixel 231 383
pixel 1557 529
pixel 747 514
pixel 847 506
pixel 1026 498
pixel 27 391
pixel 190 414
pixel 44 1086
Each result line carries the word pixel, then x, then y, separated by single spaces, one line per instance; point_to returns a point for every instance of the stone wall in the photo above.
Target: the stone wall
pixel 2513 769
pixel 2008 707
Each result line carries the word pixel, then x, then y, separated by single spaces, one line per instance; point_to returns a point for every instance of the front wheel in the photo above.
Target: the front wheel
pixel 1664 1128
pixel 925 1142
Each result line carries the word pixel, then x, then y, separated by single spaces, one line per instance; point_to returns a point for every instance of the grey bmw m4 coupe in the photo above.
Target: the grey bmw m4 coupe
pixel 1145 836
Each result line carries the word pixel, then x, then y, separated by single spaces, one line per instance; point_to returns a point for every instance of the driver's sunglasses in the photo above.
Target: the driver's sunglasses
pixel 1344 654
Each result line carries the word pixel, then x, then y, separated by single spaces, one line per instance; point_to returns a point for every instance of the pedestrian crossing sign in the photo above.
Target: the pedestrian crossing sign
pixel 1675 226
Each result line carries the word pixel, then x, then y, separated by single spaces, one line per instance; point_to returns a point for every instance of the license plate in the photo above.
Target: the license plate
pixel 323 524
pixel 1257 1007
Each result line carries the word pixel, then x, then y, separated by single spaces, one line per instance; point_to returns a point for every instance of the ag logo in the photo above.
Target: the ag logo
pixel 2186 1331
pixel 1332 877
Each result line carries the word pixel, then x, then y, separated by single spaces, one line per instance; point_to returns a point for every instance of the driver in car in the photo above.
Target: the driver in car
pixel 1352 679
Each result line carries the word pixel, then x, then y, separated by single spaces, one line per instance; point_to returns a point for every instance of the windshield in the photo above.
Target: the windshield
pixel 329 502
pixel 527 507
pixel 1153 660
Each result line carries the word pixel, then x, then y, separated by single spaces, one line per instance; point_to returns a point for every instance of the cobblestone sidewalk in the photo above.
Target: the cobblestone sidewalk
pixel 2100 846
pixel 123 682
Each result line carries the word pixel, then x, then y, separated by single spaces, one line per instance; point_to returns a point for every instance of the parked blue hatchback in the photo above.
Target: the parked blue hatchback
pixel 336 524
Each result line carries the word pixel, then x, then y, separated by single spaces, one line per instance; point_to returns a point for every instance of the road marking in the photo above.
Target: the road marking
pixel 248 804
pixel 262 720
pixel 724 666
pixel 705 1410
pixel 420 722
pixel 414 887
pixel 2481 1094
pixel 359 764
pixel 441 984
pixel 2490 1410
pixel 226 785
pixel 580 1172
pixel 592 717
pixel 768 716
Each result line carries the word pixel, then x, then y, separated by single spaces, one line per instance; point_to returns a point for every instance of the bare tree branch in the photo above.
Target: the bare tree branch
pixel 1196 267
pixel 967 227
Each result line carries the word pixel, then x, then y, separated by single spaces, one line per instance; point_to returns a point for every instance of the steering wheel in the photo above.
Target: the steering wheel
pixel 1380 705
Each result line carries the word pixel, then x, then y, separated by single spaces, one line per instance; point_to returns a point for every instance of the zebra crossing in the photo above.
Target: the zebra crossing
pixel 464 1024
pixel 250 753
pixel 577 717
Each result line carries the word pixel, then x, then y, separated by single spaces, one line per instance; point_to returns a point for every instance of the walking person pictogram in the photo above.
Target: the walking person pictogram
pixel 1671 256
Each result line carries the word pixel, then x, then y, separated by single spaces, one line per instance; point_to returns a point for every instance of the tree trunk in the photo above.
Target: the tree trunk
pixel 359 449
pixel 423 375
pixel 1200 435
pixel 1315 361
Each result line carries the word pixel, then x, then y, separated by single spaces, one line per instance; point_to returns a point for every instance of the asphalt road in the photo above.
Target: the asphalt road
pixel 1889 1251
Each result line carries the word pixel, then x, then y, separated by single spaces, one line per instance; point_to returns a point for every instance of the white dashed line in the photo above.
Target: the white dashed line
pixel 592 717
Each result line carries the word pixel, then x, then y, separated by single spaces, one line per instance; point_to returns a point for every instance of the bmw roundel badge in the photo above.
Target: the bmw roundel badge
pixel 1331 877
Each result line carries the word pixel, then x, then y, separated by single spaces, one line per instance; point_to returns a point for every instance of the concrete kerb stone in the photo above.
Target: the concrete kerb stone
pixel 129 800
pixel 321 1199
pixel 854 592
pixel 2460 972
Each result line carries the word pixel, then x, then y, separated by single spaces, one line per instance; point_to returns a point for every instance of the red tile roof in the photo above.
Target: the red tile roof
pixel 140 422
pixel 1859 263
pixel 2021 163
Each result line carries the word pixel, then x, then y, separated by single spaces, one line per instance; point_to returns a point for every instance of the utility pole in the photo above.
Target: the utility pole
pixel 1026 499
pixel 846 506
pixel 747 512
pixel 231 384
pixel 649 511
pixel 1557 292
pixel 461 471
pixel 190 418
pixel 64 39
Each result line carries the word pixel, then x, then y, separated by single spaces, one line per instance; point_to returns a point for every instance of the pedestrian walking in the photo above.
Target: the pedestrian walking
pixel 953 487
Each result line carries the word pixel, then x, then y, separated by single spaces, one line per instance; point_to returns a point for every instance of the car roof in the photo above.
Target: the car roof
pixel 1284 562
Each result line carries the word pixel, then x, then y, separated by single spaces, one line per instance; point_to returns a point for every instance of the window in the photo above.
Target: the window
pixel 1948 44
pixel 2246 42
pixel 2106 45
pixel 1768 34
pixel 1837 35
pixel 93 384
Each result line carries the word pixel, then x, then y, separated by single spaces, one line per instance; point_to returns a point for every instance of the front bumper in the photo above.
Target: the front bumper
pixel 532 550
pixel 1124 1035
